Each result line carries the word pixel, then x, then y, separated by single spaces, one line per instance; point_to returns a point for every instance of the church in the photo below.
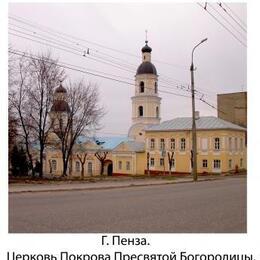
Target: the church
pixel 152 146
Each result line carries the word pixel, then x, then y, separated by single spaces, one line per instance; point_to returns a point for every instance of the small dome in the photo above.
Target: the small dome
pixel 146 48
pixel 146 68
pixel 60 89
pixel 60 106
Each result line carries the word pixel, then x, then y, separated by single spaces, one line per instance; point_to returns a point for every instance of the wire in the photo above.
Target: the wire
pixel 70 67
pixel 225 10
pixel 214 17
pixel 66 50
pixel 49 30
pixel 81 51
pixel 234 14
pixel 225 19
pixel 48 44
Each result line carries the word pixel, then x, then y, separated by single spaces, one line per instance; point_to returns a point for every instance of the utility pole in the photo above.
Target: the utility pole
pixel 194 132
pixel 148 164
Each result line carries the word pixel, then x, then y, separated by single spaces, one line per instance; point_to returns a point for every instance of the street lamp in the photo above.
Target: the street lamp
pixel 194 134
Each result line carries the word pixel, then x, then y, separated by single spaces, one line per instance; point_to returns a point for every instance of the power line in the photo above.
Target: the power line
pixel 64 46
pixel 215 18
pixel 162 91
pixel 48 30
pixel 225 10
pixel 70 67
pixel 67 50
pixel 234 14
pixel 227 21
pixel 130 68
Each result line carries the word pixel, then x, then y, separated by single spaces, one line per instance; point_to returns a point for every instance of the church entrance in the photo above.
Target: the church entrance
pixel 108 168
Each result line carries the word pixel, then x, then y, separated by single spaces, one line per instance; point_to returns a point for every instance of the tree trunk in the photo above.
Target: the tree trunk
pixel 65 168
pixel 82 172
pixel 102 168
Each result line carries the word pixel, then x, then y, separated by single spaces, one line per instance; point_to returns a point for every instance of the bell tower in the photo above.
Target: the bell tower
pixel 146 101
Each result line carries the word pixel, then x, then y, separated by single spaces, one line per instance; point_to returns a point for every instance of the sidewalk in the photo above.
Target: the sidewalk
pixel 21 188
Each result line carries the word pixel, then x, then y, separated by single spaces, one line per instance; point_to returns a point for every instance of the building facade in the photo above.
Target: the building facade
pixel 151 146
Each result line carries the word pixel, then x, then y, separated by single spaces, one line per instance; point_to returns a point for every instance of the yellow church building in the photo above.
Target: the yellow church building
pixel 152 147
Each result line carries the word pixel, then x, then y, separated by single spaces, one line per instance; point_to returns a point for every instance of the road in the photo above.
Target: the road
pixel 209 206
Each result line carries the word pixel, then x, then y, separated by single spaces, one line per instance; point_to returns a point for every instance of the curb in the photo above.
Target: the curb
pixel 110 187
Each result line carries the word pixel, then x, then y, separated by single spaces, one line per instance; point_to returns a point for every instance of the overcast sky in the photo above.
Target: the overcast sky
pixel 173 30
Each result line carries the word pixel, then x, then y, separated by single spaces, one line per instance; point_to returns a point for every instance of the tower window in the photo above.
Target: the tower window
pixel 157 112
pixel 141 89
pixel 155 87
pixel 141 111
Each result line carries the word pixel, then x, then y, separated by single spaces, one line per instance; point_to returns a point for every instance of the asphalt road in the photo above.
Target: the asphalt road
pixel 210 206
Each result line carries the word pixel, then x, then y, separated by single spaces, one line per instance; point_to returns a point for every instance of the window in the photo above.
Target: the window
pixel 77 166
pixel 217 143
pixel 216 164
pixel 241 144
pixel 230 164
pixel 157 112
pixel 141 87
pixel 241 163
pixel 120 165
pixel 205 163
pixel 128 166
pixel 152 143
pixel 162 144
pixel 155 87
pixel 140 111
pixel 54 165
pixel 183 144
pixel 162 162
pixel 172 144
pixel 235 144
pixel 152 162
pixel 89 167
pixel 230 143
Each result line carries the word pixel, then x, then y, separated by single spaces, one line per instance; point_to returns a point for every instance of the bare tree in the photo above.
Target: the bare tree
pixel 32 100
pixel 82 158
pixel 17 105
pixel 101 156
pixel 83 114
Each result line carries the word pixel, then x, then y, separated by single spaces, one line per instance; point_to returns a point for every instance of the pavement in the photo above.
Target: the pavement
pixel 203 207
pixel 123 183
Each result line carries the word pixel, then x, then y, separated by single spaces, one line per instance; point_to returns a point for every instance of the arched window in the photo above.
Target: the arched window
pixel 152 143
pixel 157 112
pixel 140 111
pixel 77 166
pixel 141 89
pixel 155 87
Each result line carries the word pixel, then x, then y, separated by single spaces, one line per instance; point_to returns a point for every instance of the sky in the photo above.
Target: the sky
pixel 173 30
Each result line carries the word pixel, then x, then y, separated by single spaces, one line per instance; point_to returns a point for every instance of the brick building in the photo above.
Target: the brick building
pixel 234 106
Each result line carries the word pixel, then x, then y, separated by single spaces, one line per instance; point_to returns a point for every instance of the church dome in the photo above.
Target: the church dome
pixel 146 48
pixel 60 106
pixel 146 68
pixel 60 89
